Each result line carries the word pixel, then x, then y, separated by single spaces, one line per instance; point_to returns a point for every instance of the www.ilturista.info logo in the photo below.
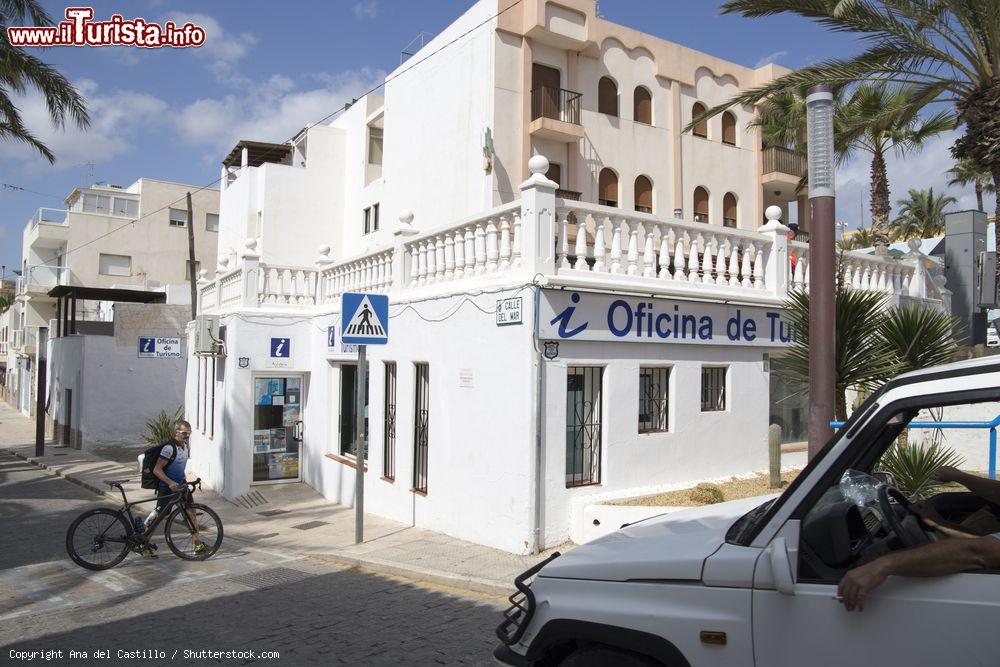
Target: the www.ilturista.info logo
pixel 80 30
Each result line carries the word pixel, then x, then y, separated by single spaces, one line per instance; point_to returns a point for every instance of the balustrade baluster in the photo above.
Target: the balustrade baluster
pixel 517 245
pixel 414 264
pixel 492 246
pixel 746 267
pixel 470 251
pixel 679 269
pixel 798 280
pixel 449 257
pixel 438 258
pixel 504 243
pixel 480 248
pixel 706 262
pixel 881 285
pixel 632 228
pixel 616 246
pixel 696 244
pixel 856 281
pixel 720 262
pixel 758 269
pixel 665 256
pixel 422 266
pixel 649 255
pixel 562 255
pixel 580 250
pixel 734 265
pixel 459 242
pixel 599 266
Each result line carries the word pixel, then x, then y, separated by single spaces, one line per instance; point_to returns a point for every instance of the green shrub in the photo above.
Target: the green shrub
pixel 161 428
pixel 706 494
pixel 913 465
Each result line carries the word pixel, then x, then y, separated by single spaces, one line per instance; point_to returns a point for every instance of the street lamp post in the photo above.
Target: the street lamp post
pixel 822 329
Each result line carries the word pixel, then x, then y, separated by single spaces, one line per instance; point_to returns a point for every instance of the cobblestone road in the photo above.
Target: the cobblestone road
pixel 308 610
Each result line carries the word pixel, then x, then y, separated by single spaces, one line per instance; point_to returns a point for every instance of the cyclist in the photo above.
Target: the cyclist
pixel 169 469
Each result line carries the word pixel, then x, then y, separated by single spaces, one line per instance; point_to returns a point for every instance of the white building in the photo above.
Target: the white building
pixel 492 431
pixel 91 243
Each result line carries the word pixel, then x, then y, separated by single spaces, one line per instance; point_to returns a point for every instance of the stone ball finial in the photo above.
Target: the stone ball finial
pixel 203 274
pixel 223 261
pixel 773 212
pixel 324 250
pixel 539 164
pixel 406 216
pixel 251 244
pixel 914 244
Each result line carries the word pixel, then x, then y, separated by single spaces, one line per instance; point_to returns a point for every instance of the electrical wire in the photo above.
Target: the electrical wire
pixel 329 116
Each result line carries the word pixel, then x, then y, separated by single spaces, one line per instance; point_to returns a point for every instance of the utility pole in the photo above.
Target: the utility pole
pixel 192 269
pixel 40 391
pixel 822 267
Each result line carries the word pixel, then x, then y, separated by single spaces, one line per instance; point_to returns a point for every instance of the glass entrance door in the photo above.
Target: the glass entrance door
pixel 277 428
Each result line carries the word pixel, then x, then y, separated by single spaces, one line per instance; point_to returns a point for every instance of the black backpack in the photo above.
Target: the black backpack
pixel 149 459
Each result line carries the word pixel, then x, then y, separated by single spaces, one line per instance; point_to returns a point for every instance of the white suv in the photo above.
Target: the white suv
pixel 754 582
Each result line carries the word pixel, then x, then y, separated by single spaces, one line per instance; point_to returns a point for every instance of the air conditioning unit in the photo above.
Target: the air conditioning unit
pixel 206 334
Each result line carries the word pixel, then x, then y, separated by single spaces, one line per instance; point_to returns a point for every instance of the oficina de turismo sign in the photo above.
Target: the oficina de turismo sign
pixel 606 318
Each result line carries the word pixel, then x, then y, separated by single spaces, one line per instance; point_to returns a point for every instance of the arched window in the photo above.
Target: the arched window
pixel 701 129
pixel 729 210
pixel 607 96
pixel 700 204
pixel 728 128
pixel 642 106
pixel 643 195
pixel 607 188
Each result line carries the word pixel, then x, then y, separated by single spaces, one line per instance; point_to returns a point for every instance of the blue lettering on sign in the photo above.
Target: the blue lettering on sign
pixel 331 336
pixel 564 317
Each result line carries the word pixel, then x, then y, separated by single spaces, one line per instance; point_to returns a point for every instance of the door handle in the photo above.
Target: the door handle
pixel 297 432
pixel 781 567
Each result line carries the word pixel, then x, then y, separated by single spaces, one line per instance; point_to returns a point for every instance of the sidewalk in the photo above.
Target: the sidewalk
pixel 292 518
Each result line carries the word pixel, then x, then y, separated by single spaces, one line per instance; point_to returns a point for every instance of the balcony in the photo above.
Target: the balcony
pixel 40 279
pixel 50 216
pixel 783 169
pixel 555 114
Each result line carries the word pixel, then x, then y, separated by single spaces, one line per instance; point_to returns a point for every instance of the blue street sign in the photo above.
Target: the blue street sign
pixel 159 347
pixel 281 348
pixel 364 319
pixel 147 346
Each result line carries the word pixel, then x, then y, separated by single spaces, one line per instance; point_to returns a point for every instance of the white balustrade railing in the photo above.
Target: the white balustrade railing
pixel 603 240
pixel 230 286
pixel 370 273
pixel 286 285
pixel 861 271
pixel 486 244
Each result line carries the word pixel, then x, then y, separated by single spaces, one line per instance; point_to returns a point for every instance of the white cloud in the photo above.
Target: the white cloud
pixel 222 50
pixel 917 171
pixel 366 9
pixel 272 110
pixel 770 58
pixel 115 119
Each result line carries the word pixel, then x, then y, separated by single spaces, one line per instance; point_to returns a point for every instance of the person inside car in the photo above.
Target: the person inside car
pixel 976 545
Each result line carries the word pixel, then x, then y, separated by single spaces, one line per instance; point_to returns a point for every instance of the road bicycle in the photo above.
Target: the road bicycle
pixel 100 538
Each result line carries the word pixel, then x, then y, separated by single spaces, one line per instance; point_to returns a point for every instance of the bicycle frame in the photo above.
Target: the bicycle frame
pixel 174 499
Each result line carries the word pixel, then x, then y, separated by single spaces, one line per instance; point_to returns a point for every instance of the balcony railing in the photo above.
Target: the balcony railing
pixel 785 161
pixel 51 216
pixel 41 277
pixel 596 247
pixel 556 103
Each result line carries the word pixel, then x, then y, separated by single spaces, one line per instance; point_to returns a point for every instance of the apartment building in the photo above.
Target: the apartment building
pixel 107 236
pixel 583 298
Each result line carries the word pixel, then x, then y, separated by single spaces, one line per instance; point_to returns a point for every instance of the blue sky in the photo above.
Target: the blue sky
pixel 267 69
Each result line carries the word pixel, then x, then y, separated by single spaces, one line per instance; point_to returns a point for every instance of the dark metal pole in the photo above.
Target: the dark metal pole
pixel 191 264
pixel 43 334
pixel 822 268
pixel 359 447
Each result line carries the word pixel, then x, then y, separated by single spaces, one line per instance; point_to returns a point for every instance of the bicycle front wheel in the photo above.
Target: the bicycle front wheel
pixel 180 533
pixel 98 539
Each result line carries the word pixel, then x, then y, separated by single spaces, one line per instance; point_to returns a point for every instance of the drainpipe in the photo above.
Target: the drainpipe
pixel 537 547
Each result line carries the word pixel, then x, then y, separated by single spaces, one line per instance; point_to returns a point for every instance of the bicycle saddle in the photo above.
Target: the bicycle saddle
pixel 115 482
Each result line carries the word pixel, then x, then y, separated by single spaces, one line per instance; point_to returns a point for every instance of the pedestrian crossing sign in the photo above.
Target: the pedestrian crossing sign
pixel 364 319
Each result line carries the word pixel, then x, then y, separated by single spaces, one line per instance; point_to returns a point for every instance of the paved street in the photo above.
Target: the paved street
pixel 307 609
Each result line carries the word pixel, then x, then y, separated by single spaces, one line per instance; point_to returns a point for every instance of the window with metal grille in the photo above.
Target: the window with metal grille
pixel 713 388
pixel 389 423
pixel 583 425
pixel 654 400
pixel 420 427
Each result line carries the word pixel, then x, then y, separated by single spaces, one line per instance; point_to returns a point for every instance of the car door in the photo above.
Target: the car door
pixel 944 621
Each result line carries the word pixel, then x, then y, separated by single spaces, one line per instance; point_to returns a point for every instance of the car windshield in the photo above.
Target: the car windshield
pixel 746 523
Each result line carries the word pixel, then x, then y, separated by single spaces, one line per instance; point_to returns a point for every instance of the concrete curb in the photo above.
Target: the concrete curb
pixel 484 586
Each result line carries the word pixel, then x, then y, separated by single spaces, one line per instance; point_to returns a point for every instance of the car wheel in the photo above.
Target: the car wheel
pixel 602 656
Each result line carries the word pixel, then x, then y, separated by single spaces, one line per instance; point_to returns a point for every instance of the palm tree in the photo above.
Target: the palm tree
pixel 879 117
pixel 949 49
pixel 921 216
pixel 964 174
pixel 6 301
pixel 20 71
pixel 862 237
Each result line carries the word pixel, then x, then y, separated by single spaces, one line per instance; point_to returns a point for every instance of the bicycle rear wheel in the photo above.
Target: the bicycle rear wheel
pixel 180 538
pixel 98 539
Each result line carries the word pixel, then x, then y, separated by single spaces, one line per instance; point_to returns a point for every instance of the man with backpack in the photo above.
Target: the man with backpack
pixel 166 475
